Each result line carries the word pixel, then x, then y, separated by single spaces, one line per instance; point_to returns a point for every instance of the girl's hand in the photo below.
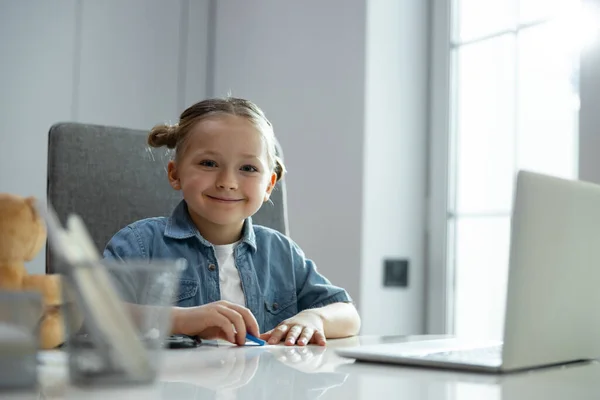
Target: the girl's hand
pixel 303 328
pixel 218 320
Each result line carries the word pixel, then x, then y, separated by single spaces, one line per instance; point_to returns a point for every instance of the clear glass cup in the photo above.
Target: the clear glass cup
pixel 99 353
pixel 20 314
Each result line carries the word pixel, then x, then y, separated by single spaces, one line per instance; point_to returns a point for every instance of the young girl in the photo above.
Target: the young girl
pixel 240 277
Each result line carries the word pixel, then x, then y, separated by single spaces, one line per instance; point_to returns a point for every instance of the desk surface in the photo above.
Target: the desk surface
pixel 221 371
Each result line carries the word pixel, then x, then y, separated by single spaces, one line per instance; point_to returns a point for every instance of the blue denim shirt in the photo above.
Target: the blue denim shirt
pixel 277 279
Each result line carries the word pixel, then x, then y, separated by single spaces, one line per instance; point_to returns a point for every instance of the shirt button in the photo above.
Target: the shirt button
pixel 275 306
pixel 212 267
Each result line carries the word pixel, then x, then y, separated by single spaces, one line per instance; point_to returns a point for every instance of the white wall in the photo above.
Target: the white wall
pixel 343 81
pixel 336 77
pixel 36 87
pixel 395 166
pixel 131 63
pixel 589 117
pixel 303 63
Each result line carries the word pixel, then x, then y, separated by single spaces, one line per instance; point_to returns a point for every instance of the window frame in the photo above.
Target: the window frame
pixel 441 183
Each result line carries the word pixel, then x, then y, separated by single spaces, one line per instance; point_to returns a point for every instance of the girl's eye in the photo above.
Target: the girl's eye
pixel 208 163
pixel 249 168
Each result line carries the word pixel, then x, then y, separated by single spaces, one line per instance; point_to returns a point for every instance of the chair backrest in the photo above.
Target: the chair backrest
pixel 111 178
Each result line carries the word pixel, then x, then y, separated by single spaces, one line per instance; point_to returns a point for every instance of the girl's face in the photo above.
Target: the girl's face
pixel 224 174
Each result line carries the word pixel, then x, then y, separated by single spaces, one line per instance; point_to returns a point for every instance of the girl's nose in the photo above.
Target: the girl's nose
pixel 227 181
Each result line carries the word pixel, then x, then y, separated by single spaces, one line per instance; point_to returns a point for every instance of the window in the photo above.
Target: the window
pixel 512 104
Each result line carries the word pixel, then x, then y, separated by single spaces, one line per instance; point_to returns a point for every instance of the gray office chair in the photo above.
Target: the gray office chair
pixel 111 177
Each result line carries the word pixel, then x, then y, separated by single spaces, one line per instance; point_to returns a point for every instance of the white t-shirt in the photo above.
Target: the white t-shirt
pixel 229 276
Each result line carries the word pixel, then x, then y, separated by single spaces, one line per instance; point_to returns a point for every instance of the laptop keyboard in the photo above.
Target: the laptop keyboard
pixel 484 355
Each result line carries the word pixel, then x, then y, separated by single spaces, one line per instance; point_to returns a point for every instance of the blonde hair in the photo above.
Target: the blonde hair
pixel 176 136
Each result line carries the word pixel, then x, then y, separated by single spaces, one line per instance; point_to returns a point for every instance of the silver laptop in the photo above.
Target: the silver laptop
pixel 552 312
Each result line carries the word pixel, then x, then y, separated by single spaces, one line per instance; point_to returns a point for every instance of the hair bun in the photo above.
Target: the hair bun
pixel 163 135
pixel 279 168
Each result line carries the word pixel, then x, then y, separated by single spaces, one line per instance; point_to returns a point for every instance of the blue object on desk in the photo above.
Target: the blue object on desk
pixel 256 340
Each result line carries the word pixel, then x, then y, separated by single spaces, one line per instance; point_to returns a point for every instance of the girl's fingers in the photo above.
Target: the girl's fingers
pixel 224 324
pixel 293 334
pixel 249 320
pixel 238 322
pixel 278 333
pixel 305 336
pixel 266 335
pixel 319 338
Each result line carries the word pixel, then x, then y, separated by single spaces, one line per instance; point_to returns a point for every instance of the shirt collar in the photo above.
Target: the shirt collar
pixel 181 226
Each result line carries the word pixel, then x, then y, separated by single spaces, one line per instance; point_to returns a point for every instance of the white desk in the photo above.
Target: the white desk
pixel 219 371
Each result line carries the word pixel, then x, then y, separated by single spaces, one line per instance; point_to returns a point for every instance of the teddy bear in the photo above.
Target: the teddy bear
pixel 22 235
